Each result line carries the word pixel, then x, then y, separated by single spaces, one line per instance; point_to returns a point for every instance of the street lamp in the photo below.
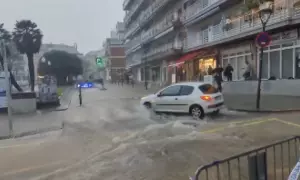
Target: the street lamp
pixel 265 11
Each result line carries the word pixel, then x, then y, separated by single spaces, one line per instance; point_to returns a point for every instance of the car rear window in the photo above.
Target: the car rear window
pixel 208 89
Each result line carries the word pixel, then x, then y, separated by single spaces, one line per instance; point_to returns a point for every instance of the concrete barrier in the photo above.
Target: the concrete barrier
pixel 283 87
pixel 23 103
pixel 276 95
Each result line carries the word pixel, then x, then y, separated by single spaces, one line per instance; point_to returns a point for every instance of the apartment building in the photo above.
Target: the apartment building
pixel 114 53
pixel 179 40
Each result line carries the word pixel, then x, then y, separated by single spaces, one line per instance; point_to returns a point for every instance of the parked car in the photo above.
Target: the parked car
pixel 194 98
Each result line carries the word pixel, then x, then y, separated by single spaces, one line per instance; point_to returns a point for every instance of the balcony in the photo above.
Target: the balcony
pixel 132 45
pixel 248 23
pixel 164 50
pixel 132 12
pixel 131 29
pixel 157 29
pixel 199 8
pixel 151 10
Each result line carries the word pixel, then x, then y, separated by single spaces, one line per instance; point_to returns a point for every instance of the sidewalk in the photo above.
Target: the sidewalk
pixel 31 123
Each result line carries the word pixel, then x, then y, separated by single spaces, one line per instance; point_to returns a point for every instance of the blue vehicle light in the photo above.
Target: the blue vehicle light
pixel 86 85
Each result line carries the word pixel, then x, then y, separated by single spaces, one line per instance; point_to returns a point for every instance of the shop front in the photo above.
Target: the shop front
pixel 281 60
pixel 237 55
pixel 193 66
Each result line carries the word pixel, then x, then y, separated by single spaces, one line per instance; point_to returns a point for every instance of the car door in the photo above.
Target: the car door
pixel 165 101
pixel 183 100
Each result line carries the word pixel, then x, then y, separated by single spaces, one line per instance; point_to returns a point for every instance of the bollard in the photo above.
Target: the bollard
pixel 80 96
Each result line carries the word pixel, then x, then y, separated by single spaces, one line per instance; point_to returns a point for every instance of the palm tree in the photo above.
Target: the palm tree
pixel 6 36
pixel 28 39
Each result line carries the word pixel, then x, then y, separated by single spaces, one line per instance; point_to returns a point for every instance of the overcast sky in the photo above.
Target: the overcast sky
pixel 85 22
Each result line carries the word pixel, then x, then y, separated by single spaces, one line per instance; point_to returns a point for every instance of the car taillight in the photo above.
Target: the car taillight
pixel 206 98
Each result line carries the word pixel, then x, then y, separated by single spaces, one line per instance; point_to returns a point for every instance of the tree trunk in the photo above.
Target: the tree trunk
pixel 31 71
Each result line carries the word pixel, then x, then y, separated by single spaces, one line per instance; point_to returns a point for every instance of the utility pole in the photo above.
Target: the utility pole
pixel 7 88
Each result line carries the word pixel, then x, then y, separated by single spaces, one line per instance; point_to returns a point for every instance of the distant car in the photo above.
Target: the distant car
pixel 194 98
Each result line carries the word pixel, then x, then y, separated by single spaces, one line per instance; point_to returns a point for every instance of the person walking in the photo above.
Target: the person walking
pixel 248 72
pixel 228 72
pixel 218 79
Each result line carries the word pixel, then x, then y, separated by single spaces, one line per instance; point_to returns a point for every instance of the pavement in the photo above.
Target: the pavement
pixel 111 137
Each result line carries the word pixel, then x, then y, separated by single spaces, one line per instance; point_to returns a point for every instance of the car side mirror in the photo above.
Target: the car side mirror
pixel 159 95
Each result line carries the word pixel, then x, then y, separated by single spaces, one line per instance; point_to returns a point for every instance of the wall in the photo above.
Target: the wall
pixel 276 87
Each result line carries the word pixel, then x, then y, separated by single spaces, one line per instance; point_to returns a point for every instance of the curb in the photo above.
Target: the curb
pixel 30 133
pixel 265 111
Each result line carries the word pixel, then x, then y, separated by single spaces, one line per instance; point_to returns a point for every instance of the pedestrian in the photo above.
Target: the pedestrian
pixel 218 79
pixel 248 72
pixel 209 70
pixel 228 72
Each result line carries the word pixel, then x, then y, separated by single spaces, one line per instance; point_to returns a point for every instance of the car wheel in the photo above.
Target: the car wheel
pixel 147 105
pixel 197 112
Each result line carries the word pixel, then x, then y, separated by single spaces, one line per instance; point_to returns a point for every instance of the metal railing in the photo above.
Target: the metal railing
pixel 133 11
pixel 160 49
pixel 279 159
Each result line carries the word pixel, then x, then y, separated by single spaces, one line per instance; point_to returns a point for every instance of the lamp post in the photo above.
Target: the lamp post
pixel 264 15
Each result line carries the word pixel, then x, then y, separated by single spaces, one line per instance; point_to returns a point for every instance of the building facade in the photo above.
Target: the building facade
pixel 170 41
pixel 114 53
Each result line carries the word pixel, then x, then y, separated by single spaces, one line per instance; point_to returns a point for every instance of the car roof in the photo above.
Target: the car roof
pixel 191 83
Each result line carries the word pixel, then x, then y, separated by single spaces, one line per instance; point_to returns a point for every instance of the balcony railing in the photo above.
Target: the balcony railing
pixel 246 23
pixel 133 27
pixel 160 27
pixel 148 13
pixel 133 11
pixel 198 7
pixel 160 50
pixel 131 45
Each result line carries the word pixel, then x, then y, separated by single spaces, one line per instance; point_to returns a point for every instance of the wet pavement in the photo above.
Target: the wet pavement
pixel 111 137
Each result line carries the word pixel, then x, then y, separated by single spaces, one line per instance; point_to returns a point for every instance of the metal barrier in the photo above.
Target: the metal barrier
pixel 273 161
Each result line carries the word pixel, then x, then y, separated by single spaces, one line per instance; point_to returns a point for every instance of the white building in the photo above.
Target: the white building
pixel 183 38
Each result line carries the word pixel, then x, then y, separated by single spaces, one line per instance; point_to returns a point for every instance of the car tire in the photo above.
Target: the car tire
pixel 147 105
pixel 197 112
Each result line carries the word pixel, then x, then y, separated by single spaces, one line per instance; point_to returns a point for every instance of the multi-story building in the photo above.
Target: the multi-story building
pixel 179 40
pixel 114 53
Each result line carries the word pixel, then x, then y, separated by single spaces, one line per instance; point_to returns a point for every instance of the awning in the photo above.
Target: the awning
pixel 187 57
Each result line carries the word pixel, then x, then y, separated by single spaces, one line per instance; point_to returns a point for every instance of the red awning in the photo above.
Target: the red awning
pixel 187 57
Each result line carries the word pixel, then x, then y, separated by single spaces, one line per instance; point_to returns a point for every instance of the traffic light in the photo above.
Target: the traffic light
pixel 100 62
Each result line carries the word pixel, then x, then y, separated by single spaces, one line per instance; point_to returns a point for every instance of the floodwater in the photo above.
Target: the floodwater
pixel 125 141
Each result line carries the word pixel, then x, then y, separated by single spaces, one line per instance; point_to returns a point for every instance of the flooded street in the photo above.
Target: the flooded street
pixel 113 138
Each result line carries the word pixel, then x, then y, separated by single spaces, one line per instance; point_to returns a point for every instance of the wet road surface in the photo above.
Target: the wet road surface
pixel 111 137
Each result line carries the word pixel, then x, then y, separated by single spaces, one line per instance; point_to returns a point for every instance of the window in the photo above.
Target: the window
pixel 275 64
pixel 186 90
pixel 208 89
pixel 287 63
pixel 171 91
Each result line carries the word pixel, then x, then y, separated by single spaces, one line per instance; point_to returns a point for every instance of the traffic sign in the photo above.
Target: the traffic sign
pixel 263 39
pixel 100 61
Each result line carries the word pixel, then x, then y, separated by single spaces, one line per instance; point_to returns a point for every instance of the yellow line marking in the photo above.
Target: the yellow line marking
pixel 244 124
pixel 288 123
pixel 23 170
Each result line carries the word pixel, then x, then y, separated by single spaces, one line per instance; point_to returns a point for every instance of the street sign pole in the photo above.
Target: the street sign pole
pixel 7 88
